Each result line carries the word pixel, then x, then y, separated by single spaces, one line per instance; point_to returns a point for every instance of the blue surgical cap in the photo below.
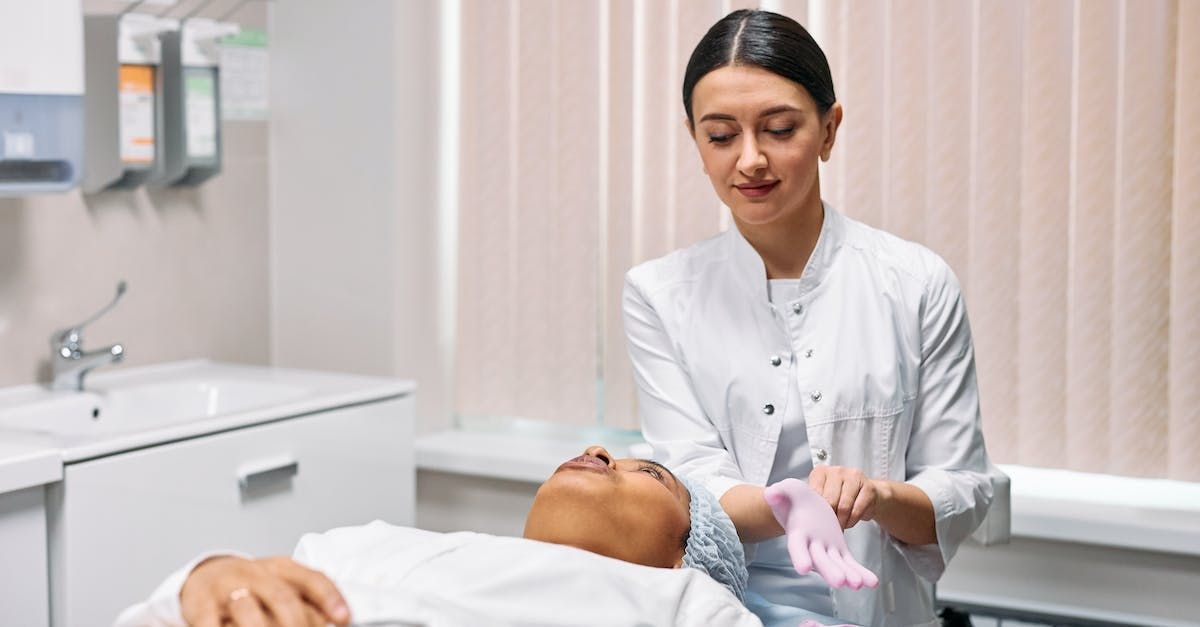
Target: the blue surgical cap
pixel 713 545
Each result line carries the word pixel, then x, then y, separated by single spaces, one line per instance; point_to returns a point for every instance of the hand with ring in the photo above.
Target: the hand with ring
pixel 257 593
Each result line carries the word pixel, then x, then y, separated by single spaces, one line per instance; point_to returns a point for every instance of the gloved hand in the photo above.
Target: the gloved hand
pixel 814 536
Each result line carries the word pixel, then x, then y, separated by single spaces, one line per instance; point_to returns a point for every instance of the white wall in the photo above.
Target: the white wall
pixel 354 207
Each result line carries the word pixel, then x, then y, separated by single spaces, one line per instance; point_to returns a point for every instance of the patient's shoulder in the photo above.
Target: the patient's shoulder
pixel 362 544
pixel 374 531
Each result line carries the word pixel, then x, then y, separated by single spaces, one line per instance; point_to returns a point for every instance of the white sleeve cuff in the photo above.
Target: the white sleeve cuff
pixel 929 560
pixel 162 608
pixel 719 485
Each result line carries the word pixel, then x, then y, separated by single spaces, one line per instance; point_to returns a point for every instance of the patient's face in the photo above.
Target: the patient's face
pixel 628 509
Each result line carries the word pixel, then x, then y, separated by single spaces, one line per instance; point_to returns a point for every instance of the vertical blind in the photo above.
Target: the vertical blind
pixel 1049 150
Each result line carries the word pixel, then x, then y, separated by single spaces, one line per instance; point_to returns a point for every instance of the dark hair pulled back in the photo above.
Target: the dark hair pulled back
pixel 771 41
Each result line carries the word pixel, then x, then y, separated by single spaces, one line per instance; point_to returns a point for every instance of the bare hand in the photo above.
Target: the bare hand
pixel 274 591
pixel 852 495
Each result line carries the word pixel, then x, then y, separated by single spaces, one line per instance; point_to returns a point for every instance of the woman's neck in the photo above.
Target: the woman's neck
pixel 786 245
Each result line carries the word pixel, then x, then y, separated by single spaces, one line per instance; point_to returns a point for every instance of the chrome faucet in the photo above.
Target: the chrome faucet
pixel 70 362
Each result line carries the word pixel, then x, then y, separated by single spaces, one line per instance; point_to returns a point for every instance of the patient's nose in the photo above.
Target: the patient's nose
pixel 602 453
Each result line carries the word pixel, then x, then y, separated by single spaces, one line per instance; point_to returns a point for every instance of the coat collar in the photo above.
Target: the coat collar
pixel 749 268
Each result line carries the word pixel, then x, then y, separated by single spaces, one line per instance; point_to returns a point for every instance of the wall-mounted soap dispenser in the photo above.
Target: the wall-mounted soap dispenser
pixel 123 106
pixel 191 150
pixel 41 96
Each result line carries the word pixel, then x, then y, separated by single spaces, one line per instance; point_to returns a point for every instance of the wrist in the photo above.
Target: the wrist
pixel 215 561
pixel 201 571
pixel 885 495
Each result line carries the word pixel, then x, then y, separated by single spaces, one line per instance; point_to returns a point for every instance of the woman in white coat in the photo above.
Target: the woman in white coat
pixel 803 344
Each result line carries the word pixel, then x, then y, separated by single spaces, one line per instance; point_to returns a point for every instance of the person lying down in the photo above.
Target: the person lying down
pixel 607 541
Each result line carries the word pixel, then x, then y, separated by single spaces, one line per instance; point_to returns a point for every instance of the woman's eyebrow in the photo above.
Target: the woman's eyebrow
pixel 765 113
pixel 778 109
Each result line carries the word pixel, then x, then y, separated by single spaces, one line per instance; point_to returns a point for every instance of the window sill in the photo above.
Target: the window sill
pixel 1141 514
pixel 1145 514
pixel 513 455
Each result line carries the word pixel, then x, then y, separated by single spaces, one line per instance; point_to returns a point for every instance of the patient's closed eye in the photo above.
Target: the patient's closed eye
pixel 652 471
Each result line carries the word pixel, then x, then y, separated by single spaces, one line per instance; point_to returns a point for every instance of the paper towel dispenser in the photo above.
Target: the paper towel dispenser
pixel 41 96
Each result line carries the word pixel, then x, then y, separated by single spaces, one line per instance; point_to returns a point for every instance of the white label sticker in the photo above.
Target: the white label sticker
pixel 201 105
pixel 18 145
pixel 136 101
pixel 244 73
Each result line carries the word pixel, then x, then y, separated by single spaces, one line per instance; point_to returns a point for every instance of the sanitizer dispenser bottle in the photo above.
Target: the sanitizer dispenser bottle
pixel 191 152
pixel 123 107
pixel 41 96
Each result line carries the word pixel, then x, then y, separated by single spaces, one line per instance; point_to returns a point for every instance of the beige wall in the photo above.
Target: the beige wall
pixel 195 259
pixel 314 248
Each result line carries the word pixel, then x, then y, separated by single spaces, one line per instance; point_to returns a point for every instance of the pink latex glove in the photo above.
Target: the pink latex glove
pixel 814 536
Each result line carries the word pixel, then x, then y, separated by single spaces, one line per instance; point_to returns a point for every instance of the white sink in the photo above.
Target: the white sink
pixel 146 406
pixel 130 408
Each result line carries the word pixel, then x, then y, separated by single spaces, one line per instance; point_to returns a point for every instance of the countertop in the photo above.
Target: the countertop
pixel 26 452
pixel 25 465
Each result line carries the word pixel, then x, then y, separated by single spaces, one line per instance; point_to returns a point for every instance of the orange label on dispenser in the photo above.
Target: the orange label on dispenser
pixel 136 101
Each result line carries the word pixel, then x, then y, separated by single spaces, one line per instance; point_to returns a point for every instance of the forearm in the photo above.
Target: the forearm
pixel 750 513
pixel 905 512
pixel 902 509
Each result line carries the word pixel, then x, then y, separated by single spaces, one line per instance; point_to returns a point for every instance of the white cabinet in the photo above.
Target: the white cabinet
pixel 25 468
pixel 119 524
pixel 24 599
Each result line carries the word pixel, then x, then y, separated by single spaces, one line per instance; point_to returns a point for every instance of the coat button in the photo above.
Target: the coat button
pixel 808 353
pixel 775 360
pixel 816 397
pixel 822 454
pixel 797 308
pixel 768 409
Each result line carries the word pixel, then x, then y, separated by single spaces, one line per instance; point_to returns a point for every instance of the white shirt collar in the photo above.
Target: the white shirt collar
pixel 753 274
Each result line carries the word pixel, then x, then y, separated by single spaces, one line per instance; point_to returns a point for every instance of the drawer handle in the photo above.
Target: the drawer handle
pixel 270 470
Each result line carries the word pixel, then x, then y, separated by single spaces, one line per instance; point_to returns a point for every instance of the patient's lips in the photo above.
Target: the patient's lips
pixel 586 462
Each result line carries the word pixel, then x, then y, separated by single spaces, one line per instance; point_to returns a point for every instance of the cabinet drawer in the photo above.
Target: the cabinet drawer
pixel 119 525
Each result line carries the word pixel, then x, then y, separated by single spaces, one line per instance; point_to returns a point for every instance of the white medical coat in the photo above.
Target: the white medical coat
pixel 887 364
pixel 401 575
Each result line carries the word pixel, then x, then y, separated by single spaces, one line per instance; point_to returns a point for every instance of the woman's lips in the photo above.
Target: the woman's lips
pixel 757 190
pixel 586 462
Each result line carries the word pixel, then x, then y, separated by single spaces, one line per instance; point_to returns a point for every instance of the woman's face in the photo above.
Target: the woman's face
pixel 760 137
pixel 629 509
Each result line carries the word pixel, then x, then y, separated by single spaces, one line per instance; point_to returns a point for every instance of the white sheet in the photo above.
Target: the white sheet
pixel 399 574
